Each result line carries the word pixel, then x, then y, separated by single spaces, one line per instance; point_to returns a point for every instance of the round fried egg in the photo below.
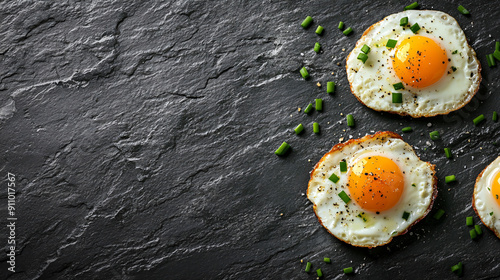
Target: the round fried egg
pixel 435 64
pixel 486 198
pixel 381 190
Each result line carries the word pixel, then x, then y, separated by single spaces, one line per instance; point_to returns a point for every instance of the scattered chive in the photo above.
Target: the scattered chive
pixel 407 129
pixel 316 127
pixel 327 260
pixel 398 86
pixel 453 68
pixel 435 135
pixel 348 270
pixel 447 152
pixel 495 116
pixel 439 214
pixel 363 57
pixel 343 166
pixel 478 230
pixel 412 6
pixel 319 273
pixel 347 31
pixel 406 215
pixel 473 234
pixel 317 47
pixel 478 119
pixel 469 221
pixel 334 178
pixel 308 109
pixel 341 25
pixel 308 266
pixel 491 60
pixel 496 54
pixel 344 197
pixel 330 87
pixel 403 21
pixel 463 10
pixel 391 43
pixel 282 149
pixel 303 72
pixel 457 268
pixel 455 52
pixel 365 49
pixel 491 213
pixel 299 129
pixel 497 46
pixel 350 120
pixel 306 22
pixel 319 30
pixel 450 178
pixel 415 28
pixel 319 104
pixel 397 97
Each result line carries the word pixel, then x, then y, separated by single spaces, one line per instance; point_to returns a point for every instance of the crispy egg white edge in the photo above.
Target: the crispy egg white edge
pixel 482 200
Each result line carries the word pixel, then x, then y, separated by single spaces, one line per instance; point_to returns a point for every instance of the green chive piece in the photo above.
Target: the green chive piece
pixel 327 260
pixel 496 54
pixel 491 60
pixel 457 268
pixel 317 47
pixel 455 52
pixel 308 109
pixel 334 178
pixel 403 21
pixel 495 116
pixel 330 87
pixel 439 214
pixel 308 266
pixel 304 73
pixel 299 129
pixel 344 197
pixel 365 49
pixel 453 68
pixel 343 166
pixel 415 28
pixel 407 129
pixel 307 22
pixel 391 43
pixel 319 30
pixel 447 152
pixel 363 57
pixel 463 10
pixel 412 6
pixel 450 178
pixel 497 46
pixel 473 234
pixel 347 31
pixel 478 230
pixel 282 149
pixel 316 127
pixel 469 221
pixel 318 271
pixel 406 215
pixel 397 97
pixel 341 25
pixel 435 135
pixel 350 120
pixel 348 270
pixel 478 119
pixel 398 86
pixel 319 104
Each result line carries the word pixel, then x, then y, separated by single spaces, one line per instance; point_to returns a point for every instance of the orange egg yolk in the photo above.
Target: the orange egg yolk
pixel 495 188
pixel 419 61
pixel 376 183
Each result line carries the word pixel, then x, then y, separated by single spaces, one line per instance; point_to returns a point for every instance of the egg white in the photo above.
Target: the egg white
pixel 483 201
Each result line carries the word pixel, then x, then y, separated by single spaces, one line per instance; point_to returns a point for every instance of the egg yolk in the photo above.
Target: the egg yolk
pixel 376 183
pixel 419 61
pixel 495 188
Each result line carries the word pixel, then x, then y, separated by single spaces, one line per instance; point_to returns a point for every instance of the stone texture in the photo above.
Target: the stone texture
pixel 142 136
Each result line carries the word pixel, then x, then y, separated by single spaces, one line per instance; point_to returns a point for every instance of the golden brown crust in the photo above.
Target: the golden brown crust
pixel 497 233
pixel 382 134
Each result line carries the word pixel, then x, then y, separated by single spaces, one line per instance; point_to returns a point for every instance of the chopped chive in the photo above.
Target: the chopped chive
pixel 496 54
pixel 308 266
pixel 447 152
pixel 439 214
pixel 403 21
pixel 415 28
pixel 457 268
pixel 299 129
pixel 348 270
pixel 413 185
pixel 391 43
pixel 319 273
pixel 308 109
pixel 469 221
pixel 306 22
pixel 478 230
pixel 303 72
pixel 450 178
pixel 319 30
pixel 463 10
pixel 491 213
pixel 350 120
pixel 365 49
pixel 341 25
pixel 347 31
pixel 344 197
pixel 453 68
pixel 363 57
pixel 317 47
pixel 473 234
pixel 478 119
pixel 497 46
pixel 397 97
pixel 435 135
pixel 319 104
pixel 282 149
pixel 412 6
pixel 455 52
pixel 406 215
pixel 495 116
pixel 491 60
pixel 327 260
pixel 343 166
pixel 334 178
pixel 398 86
pixel 330 87
pixel 407 129
pixel 316 127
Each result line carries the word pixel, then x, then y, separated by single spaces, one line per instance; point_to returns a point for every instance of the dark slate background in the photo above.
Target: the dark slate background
pixel 142 135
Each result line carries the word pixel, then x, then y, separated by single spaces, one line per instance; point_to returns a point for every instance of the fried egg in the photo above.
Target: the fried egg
pixel 435 64
pixel 367 191
pixel 486 198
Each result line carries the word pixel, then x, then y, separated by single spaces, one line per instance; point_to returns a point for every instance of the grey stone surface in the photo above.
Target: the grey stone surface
pixel 142 135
